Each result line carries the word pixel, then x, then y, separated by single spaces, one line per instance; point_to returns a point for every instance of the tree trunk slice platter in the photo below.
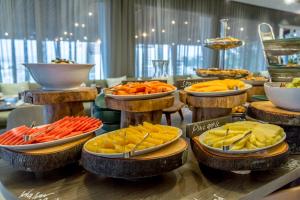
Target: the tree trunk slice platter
pixel 146 105
pixel 267 111
pixel 205 108
pixel 135 112
pixel 288 120
pixel 59 104
pixel 43 97
pixel 45 159
pixel 259 161
pixel 216 102
pixel 151 164
pixel 255 90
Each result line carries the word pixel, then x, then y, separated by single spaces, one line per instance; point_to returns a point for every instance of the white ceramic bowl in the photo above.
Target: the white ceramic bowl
pixel 59 76
pixel 286 98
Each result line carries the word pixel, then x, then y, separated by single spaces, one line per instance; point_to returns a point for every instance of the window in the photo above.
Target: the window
pixel 70 30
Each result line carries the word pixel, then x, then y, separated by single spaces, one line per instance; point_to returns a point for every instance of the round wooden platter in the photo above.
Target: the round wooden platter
pixel 46 159
pixel 151 164
pixel 255 90
pixel 134 112
pixel 59 104
pixel 268 112
pixel 259 161
pixel 205 108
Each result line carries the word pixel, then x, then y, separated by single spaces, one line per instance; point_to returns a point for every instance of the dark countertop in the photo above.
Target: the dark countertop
pixel 187 182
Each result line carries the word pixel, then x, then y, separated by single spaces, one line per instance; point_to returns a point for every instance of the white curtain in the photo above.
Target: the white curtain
pixel 176 29
pixel 39 31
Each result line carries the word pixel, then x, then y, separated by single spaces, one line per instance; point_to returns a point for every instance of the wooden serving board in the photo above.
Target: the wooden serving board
pixel 59 104
pixel 263 160
pixel 134 112
pixel 45 159
pixel 205 108
pixel 151 164
pixel 267 111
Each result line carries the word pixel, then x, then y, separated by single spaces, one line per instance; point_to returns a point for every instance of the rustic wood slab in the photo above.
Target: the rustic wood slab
pixel 264 160
pixel 135 112
pixel 45 159
pixel 255 90
pixel 151 164
pixel 267 111
pixel 59 104
pixel 205 108
pixel 216 102
pixel 44 97
pixel 140 105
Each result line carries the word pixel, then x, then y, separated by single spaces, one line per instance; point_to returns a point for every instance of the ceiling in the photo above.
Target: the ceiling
pixel 292 6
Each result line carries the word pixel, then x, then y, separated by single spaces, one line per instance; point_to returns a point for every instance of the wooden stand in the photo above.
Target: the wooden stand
pixel 255 90
pixel 264 160
pixel 59 104
pixel 134 112
pixel 152 164
pixel 205 108
pixel 288 120
pixel 46 159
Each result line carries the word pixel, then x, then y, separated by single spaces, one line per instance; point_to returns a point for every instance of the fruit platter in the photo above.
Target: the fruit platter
pixel 218 88
pixel 139 151
pixel 140 90
pixel 136 140
pixel 242 137
pixel 60 132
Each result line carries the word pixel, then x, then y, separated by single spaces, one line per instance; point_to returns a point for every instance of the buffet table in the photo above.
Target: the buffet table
pixel 186 182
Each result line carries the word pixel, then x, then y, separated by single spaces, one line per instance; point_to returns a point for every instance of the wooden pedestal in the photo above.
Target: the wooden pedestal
pixel 152 164
pixel 42 160
pixel 134 112
pixel 288 120
pixel 205 108
pixel 59 104
pixel 255 90
pixel 264 160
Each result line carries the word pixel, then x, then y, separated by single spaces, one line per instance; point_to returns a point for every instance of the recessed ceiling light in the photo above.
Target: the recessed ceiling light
pixel 82 25
pixel 6 33
pixel 163 30
pixel 90 14
pixel 186 22
pixel 85 38
pixel 65 33
pixel 153 30
pixel 173 22
pixel 242 29
pixel 136 36
pixel 76 24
